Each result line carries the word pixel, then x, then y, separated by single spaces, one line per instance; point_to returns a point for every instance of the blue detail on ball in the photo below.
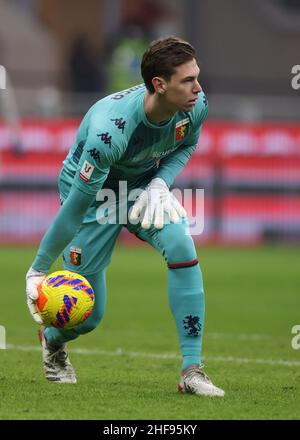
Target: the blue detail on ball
pixel 74 282
pixel 68 303
pixel 59 318
pixel 56 281
pixel 66 315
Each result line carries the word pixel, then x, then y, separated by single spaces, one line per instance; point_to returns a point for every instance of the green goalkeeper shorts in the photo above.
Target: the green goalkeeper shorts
pixel 91 248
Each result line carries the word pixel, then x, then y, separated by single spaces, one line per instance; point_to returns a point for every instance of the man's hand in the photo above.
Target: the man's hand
pixel 154 202
pixel 33 279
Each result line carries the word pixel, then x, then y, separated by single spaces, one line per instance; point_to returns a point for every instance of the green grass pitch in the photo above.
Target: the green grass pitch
pixel 128 367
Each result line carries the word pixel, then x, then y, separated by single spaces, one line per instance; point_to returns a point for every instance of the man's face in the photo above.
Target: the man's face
pixel 183 87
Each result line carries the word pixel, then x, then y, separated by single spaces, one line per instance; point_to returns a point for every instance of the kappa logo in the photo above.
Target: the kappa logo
pixel 86 171
pixel 106 138
pixel 120 123
pixel 94 153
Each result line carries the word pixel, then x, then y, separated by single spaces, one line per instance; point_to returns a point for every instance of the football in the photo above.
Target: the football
pixel 65 299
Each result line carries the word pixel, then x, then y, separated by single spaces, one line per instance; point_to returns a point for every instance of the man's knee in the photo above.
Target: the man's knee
pixel 89 324
pixel 177 246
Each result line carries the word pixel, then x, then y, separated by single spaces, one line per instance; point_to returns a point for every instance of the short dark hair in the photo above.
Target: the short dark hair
pixel 163 56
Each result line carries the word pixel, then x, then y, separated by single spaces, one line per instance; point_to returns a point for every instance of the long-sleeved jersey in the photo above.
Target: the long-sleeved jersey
pixel 116 141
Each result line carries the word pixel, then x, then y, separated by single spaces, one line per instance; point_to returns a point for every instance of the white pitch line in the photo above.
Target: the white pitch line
pixel 236 336
pixel 120 352
pixel 240 336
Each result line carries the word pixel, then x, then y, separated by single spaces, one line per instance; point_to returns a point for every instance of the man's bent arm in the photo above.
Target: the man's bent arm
pixel 63 229
pixel 172 165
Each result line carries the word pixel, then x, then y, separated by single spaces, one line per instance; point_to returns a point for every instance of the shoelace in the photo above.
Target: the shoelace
pixel 62 357
pixel 193 373
pixel 59 355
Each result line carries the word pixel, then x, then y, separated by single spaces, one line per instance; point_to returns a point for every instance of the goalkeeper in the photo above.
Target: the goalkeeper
pixel 143 136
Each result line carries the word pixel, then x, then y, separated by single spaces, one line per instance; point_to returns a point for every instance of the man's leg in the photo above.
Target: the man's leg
pixel 186 299
pixel 56 362
pixel 57 337
pixel 185 286
pixel 93 245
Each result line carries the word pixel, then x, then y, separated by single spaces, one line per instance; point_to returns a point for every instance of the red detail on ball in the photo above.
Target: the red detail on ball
pixel 42 299
pixel 87 314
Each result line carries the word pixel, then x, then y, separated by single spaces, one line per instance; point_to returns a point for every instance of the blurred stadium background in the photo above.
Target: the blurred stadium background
pixel 62 56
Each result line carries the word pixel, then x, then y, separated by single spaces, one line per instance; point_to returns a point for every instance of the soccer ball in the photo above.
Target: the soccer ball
pixel 65 299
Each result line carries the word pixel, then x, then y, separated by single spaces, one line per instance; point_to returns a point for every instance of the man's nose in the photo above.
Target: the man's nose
pixel 197 88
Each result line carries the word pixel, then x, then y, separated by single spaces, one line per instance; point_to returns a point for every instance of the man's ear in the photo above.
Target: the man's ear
pixel 159 85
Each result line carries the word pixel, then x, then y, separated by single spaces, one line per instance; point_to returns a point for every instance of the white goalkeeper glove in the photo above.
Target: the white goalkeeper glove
pixel 153 203
pixel 33 279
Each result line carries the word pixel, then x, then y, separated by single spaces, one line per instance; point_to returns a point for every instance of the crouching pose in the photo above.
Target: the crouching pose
pixel 141 137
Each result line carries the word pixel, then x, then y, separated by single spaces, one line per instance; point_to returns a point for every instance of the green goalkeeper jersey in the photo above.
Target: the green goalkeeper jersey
pixel 116 141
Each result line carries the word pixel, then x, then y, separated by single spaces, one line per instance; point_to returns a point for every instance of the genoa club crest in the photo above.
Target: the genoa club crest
pixel 181 129
pixel 75 256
